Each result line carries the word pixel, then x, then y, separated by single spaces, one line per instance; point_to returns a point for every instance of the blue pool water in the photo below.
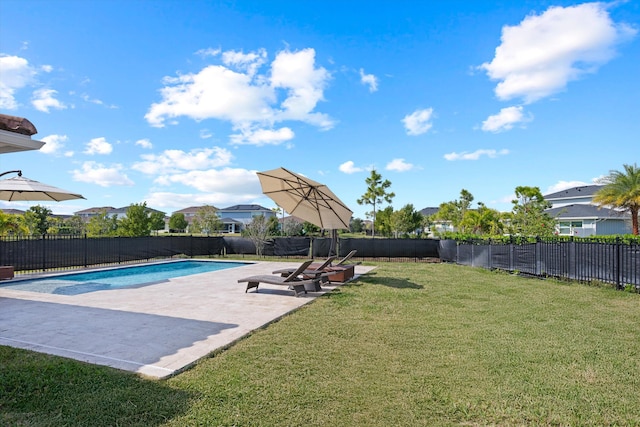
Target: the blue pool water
pixel 141 275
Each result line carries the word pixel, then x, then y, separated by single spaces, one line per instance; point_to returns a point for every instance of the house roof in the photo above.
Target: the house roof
pixel 583 191
pixel 111 210
pixel 230 221
pixel 245 208
pixel 94 210
pixel 13 211
pixel 429 211
pixel 585 211
pixel 126 208
pixel 193 209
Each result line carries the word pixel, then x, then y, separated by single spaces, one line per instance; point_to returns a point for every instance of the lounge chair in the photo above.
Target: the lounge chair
pixel 291 280
pixel 344 260
pixel 312 272
pixel 339 272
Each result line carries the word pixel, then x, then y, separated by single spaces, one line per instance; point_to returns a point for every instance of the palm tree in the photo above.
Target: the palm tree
pixel 622 190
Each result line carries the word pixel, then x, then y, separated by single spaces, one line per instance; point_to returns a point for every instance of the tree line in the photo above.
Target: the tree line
pixel 528 216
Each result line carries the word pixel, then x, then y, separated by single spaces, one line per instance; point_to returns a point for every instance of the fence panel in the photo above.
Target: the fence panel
pixel 501 256
pixel 629 261
pixel 605 261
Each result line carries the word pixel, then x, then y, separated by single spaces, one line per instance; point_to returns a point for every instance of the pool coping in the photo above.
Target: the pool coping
pixel 156 330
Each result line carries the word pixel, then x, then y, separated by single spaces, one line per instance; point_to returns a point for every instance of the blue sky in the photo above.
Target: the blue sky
pixel 179 103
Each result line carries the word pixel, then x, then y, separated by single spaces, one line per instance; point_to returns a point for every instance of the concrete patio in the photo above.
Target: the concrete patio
pixel 155 330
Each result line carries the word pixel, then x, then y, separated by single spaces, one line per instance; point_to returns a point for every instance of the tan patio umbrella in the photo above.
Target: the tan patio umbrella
pixel 306 199
pixel 21 188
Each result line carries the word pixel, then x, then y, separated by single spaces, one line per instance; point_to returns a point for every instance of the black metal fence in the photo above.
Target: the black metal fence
pixel 614 262
pixel 605 261
pixel 59 252
pixel 56 252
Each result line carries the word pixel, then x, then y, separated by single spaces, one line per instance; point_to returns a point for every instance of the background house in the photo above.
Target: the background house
pixel 235 218
pixel 87 214
pixel 438 226
pixel 577 215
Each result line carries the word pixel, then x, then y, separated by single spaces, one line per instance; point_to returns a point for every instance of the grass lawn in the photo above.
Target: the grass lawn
pixel 409 344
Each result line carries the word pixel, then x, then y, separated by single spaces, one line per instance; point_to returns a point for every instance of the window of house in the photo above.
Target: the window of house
pixel 567 228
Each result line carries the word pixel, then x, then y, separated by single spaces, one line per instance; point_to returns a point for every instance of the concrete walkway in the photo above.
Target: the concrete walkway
pixel 155 330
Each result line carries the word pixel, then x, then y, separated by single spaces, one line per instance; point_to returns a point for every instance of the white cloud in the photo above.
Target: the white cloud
pixel 564 185
pixel 296 72
pixel 475 155
pixel 205 134
pixel 208 52
pixel 87 98
pixel 180 200
pixel 96 173
pixel 242 96
pixel 144 143
pixel 16 73
pixel 399 165
pixel 171 161
pixel 226 180
pixel 348 167
pixel 53 144
pixel 249 62
pixel 98 146
pixel 369 80
pixel 505 119
pixel 262 136
pixel 418 122
pixel 539 56
pixel 44 99
pixel 46 68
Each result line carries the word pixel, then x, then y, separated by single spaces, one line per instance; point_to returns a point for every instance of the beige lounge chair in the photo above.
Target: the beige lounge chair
pixel 291 280
pixel 312 272
pixel 345 259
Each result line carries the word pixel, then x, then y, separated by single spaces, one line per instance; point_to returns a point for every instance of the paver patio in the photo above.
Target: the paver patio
pixel 155 330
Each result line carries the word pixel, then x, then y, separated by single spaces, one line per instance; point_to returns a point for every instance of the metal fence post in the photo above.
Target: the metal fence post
pixel 618 263
pixel 44 253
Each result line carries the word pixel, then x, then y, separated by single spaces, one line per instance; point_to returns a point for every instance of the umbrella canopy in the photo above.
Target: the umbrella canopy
pixel 21 188
pixel 305 198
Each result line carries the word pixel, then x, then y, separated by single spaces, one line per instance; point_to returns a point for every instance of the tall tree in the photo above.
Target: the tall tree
pixel 206 220
pixel 156 221
pixel 258 232
pixel 136 222
pixel 528 214
pixel 12 224
pixel 455 210
pixel 376 194
pixel 356 225
pixel 177 222
pixel 406 220
pixel 102 224
pixel 291 227
pixel 37 219
pixel 483 220
pixel 622 190
pixel 384 221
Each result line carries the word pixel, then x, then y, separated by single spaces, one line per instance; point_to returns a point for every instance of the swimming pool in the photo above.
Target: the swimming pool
pixel 117 278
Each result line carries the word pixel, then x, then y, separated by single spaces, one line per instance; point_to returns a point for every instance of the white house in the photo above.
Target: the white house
pixel 577 215
pixel 235 218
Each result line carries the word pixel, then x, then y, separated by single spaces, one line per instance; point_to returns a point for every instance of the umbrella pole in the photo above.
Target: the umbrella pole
pixel 334 243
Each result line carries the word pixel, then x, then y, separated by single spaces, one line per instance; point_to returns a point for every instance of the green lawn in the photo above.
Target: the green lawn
pixel 409 344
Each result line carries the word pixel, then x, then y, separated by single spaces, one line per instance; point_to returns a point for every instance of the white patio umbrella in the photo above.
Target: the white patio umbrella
pixel 306 199
pixel 21 188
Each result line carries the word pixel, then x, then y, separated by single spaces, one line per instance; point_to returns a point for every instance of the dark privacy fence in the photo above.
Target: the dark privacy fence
pixel 57 252
pixel 54 252
pixel 611 262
